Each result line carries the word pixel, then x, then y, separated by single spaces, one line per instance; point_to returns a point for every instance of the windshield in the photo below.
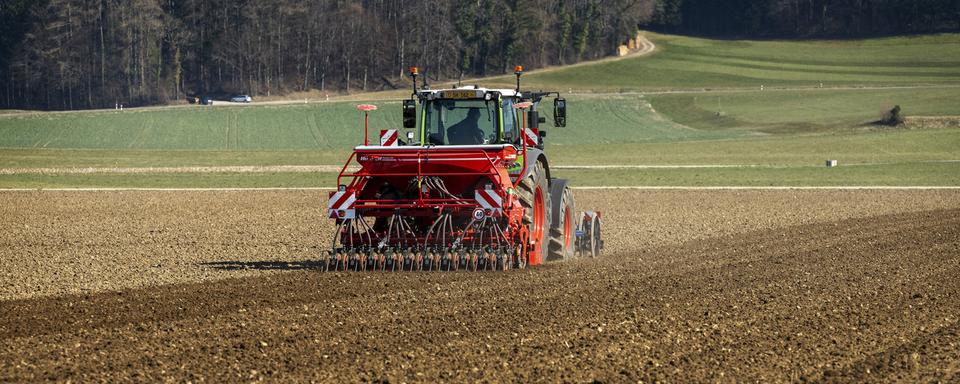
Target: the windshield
pixel 461 122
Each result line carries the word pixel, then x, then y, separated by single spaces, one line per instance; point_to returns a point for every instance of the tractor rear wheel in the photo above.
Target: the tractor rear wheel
pixel 564 223
pixel 534 195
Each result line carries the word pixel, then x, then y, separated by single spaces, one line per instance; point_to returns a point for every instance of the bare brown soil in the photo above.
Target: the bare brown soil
pixel 849 286
pixel 932 122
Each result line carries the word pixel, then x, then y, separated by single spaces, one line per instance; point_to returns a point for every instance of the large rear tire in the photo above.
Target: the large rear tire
pixel 564 223
pixel 534 195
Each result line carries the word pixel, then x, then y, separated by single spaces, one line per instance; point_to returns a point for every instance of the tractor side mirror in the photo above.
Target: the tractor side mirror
pixel 559 112
pixel 409 113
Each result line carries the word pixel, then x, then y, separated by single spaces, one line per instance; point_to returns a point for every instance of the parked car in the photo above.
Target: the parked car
pixel 241 99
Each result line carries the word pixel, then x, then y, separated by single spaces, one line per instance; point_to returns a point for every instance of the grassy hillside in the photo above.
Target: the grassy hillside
pixel 685 63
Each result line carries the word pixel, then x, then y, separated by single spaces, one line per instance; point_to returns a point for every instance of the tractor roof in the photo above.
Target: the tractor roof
pixel 481 90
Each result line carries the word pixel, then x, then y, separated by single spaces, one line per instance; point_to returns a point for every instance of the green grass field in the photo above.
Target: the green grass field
pixel 780 136
pixel 277 135
pixel 693 63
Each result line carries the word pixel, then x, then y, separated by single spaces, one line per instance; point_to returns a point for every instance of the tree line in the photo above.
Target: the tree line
pixel 807 18
pixel 76 54
pixel 71 54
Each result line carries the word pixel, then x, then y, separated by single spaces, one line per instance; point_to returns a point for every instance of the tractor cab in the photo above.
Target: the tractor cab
pixel 466 116
pixel 475 116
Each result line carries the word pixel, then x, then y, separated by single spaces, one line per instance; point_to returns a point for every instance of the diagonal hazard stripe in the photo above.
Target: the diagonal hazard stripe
pixel 348 204
pixel 388 137
pixel 333 199
pixel 493 198
pixel 390 141
pixel 531 136
pixel 342 200
pixel 482 201
pixel 489 199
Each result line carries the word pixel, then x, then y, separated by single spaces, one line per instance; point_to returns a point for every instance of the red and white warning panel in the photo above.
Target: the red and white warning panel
pixel 490 201
pixel 389 138
pixel 340 205
pixel 531 137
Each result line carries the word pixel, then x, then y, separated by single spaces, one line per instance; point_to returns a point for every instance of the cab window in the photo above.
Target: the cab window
pixel 509 121
pixel 461 122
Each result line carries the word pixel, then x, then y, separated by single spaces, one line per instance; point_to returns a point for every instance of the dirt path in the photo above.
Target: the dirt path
pixel 857 300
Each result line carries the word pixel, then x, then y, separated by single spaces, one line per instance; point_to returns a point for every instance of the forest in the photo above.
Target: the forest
pixel 81 54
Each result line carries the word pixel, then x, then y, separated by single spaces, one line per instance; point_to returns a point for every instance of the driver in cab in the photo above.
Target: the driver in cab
pixel 467 131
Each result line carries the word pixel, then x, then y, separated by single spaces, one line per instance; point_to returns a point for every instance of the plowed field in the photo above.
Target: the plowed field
pixel 849 286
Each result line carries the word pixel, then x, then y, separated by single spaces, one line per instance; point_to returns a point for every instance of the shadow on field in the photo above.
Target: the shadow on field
pixel 264 265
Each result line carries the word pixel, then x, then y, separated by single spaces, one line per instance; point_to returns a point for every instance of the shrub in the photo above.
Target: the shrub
pixel 892 117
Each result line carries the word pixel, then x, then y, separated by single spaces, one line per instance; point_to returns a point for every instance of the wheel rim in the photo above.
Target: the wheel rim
pixel 538 219
pixel 567 235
